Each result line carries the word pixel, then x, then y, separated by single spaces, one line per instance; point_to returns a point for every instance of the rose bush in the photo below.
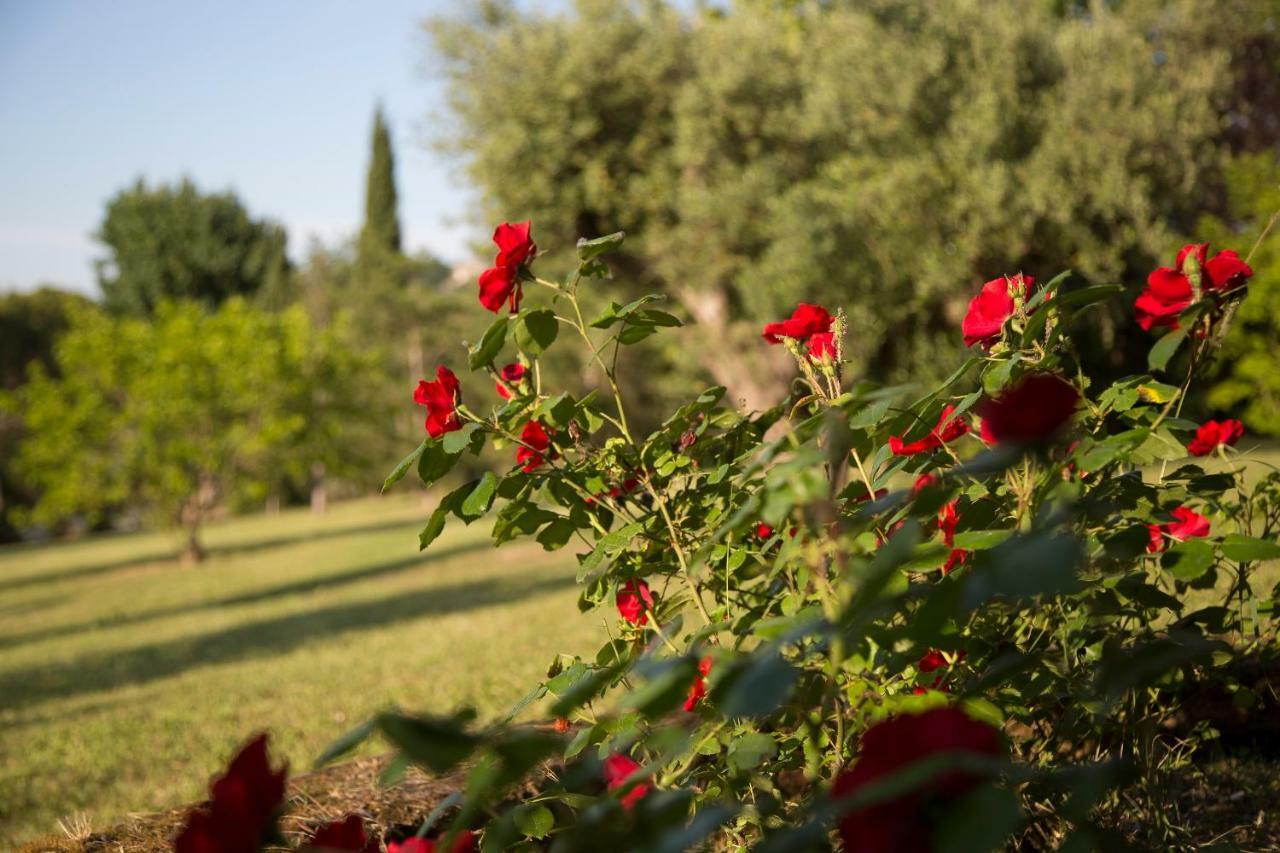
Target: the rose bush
pixel 867 618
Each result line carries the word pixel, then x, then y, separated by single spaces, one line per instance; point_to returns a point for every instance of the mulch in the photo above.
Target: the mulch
pixel 389 813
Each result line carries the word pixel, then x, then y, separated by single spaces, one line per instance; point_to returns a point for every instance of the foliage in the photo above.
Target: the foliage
pixel 176 242
pixel 827 168
pixel 1249 382
pixel 178 413
pixel 381 231
pixel 802 587
pixel 30 323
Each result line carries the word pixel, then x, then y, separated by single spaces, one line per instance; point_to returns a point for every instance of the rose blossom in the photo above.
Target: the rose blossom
pixel 617 770
pixel 948 429
pixel 805 322
pixel 512 375
pixel 905 823
pixel 634 600
pixel 1212 433
pixel 441 398
pixel 993 305
pixel 1031 412
pixel 1187 524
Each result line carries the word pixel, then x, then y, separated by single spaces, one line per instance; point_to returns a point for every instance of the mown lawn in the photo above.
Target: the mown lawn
pixel 126 680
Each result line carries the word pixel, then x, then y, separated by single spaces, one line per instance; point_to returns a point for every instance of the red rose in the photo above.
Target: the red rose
pixel 1212 433
pixel 698 688
pixel 948 429
pixel 345 834
pixel 512 375
pixel 1031 412
pixel 441 398
pixel 500 285
pixel 904 824
pixel 948 518
pixel 533 450
pixel 993 305
pixel 501 282
pixel 515 246
pixel 617 770
pixel 957 557
pixel 463 842
pixel 1187 524
pixel 1225 271
pixel 924 481
pixel 634 600
pixel 243 805
pixel 822 346
pixel 1169 291
pixel 805 322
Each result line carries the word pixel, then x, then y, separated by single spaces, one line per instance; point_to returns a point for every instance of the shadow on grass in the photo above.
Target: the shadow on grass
pixel 299 587
pixel 92 673
pixel 170 553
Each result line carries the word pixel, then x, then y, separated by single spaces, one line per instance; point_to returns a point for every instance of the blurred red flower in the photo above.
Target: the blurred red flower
pixel 1212 433
pixel 243 806
pixel 904 824
pixel 1032 411
pixel 1187 524
pixel 617 770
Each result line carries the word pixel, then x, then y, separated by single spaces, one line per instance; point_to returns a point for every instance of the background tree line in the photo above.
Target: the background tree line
pixel 882 154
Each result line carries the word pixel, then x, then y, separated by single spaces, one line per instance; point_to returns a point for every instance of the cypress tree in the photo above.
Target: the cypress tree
pixel 380 236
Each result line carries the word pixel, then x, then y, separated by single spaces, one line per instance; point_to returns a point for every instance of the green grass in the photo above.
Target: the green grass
pixel 126 680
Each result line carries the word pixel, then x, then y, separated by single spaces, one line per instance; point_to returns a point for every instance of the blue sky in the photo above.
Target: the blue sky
pixel 272 99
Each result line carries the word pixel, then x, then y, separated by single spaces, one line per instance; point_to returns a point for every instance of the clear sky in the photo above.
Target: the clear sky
pixel 272 99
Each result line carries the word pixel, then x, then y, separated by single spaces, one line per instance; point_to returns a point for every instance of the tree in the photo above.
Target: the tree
pixel 380 235
pixel 30 324
pixel 1018 136
pixel 1248 380
pixel 185 412
pixel 175 242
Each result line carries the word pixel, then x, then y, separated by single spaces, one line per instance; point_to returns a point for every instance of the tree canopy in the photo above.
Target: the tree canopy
pixel 176 242
pixel 184 411
pixel 885 154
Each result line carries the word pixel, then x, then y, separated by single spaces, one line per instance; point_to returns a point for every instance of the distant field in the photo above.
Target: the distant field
pixel 125 680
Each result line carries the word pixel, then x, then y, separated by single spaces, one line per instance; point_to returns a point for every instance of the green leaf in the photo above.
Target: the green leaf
pixel 457 441
pixel 490 344
pixel 1188 560
pixel 1164 349
pixel 348 741
pixel 635 334
pixel 980 822
pixel 978 540
pixel 537 330
pixel 481 497
pixel 439 744
pixel 556 535
pixel 1246 549
pixel 435 526
pixel 757 687
pixel 1023 567
pixel 594 248
pixel 535 820
pixel 746 752
pixel 435 462
pixel 397 474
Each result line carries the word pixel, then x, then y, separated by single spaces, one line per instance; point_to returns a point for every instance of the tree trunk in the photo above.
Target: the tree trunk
pixel 756 375
pixel 319 489
pixel 193 551
pixel 273 505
